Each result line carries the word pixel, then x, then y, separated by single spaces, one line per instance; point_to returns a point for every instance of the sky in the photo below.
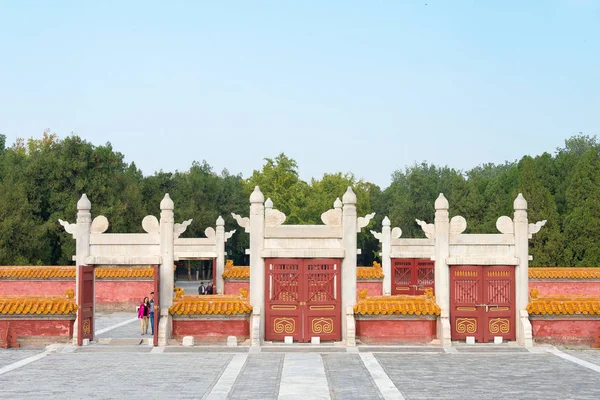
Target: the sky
pixel 366 87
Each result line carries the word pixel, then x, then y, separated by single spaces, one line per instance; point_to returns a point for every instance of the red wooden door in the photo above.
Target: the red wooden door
pixel 423 275
pixel 465 300
pixel 322 308
pixel 499 295
pixel 482 302
pixel 283 316
pixel 85 304
pixel 156 302
pixel 303 299
pixel 412 275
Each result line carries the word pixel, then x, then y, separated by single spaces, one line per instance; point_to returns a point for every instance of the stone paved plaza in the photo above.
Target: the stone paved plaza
pixel 105 370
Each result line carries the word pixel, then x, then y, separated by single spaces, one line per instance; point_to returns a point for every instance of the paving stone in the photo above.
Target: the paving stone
pixel 489 376
pixel 383 349
pixel 9 356
pixel 259 378
pixel 588 355
pixel 348 378
pixel 114 375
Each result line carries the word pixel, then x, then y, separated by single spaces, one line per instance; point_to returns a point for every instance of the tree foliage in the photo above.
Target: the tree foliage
pixel 42 179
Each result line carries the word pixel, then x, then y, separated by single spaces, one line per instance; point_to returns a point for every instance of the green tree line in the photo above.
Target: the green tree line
pixel 41 181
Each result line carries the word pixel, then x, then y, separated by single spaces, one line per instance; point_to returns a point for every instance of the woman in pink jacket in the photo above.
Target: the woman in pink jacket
pixel 143 313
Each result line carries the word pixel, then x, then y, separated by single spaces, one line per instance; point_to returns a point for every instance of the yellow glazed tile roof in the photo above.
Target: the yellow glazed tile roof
pixel 37 272
pixel 374 272
pixel 36 305
pixel 562 304
pixel 218 304
pixel 564 273
pixel 396 305
pixel 68 272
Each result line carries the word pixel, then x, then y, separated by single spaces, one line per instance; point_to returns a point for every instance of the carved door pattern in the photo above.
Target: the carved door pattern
pixel 412 275
pixel 303 299
pixel 85 304
pixel 482 302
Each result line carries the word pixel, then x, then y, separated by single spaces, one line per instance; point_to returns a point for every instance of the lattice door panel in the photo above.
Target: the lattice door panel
pixel 425 275
pixel 283 297
pixel 403 281
pixel 465 298
pixel 322 312
pixel 499 295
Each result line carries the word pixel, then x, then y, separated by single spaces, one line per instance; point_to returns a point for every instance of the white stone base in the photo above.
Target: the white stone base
pixel 470 339
pixel 288 340
pixel 85 342
pixel 231 341
pixel 315 340
pixel 498 339
pixel 188 341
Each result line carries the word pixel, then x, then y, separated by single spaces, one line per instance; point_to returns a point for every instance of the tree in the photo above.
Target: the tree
pixel 547 246
pixel 582 223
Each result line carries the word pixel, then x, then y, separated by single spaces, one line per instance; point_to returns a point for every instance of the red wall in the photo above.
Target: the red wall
pixel 110 295
pixel 233 287
pixel 35 288
pixel 565 331
pixel 396 331
pixel 211 330
pixel 35 328
pixel 588 288
pixel 132 292
pixel 374 288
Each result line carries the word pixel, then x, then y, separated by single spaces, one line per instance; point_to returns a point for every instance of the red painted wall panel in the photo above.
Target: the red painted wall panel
pixel 37 327
pixel 210 330
pixel 588 288
pixel 233 287
pixel 566 331
pixel 374 288
pixel 396 331
pixel 107 291
pixel 35 288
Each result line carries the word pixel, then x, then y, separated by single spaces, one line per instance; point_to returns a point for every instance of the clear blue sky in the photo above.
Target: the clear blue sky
pixel 341 86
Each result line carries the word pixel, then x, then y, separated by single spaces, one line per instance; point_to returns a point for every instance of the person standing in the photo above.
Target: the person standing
pixel 151 312
pixel 143 312
pixel 201 289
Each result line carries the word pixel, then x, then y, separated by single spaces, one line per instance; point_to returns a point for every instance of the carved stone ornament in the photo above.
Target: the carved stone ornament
pixel 210 233
pixel 377 235
pixel 458 224
pixel 505 225
pixel 363 221
pixel 99 224
pixel 178 229
pixel 396 233
pixel 69 228
pixel 535 228
pixel 150 224
pixel 428 229
pixel 273 217
pixel 229 234
pixel 243 222
pixel 332 217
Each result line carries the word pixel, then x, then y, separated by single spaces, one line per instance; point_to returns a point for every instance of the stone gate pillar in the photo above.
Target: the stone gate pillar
pixel 220 237
pixel 257 263
pixel 82 246
pixel 386 261
pixel 442 270
pixel 521 232
pixel 350 225
pixel 167 274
